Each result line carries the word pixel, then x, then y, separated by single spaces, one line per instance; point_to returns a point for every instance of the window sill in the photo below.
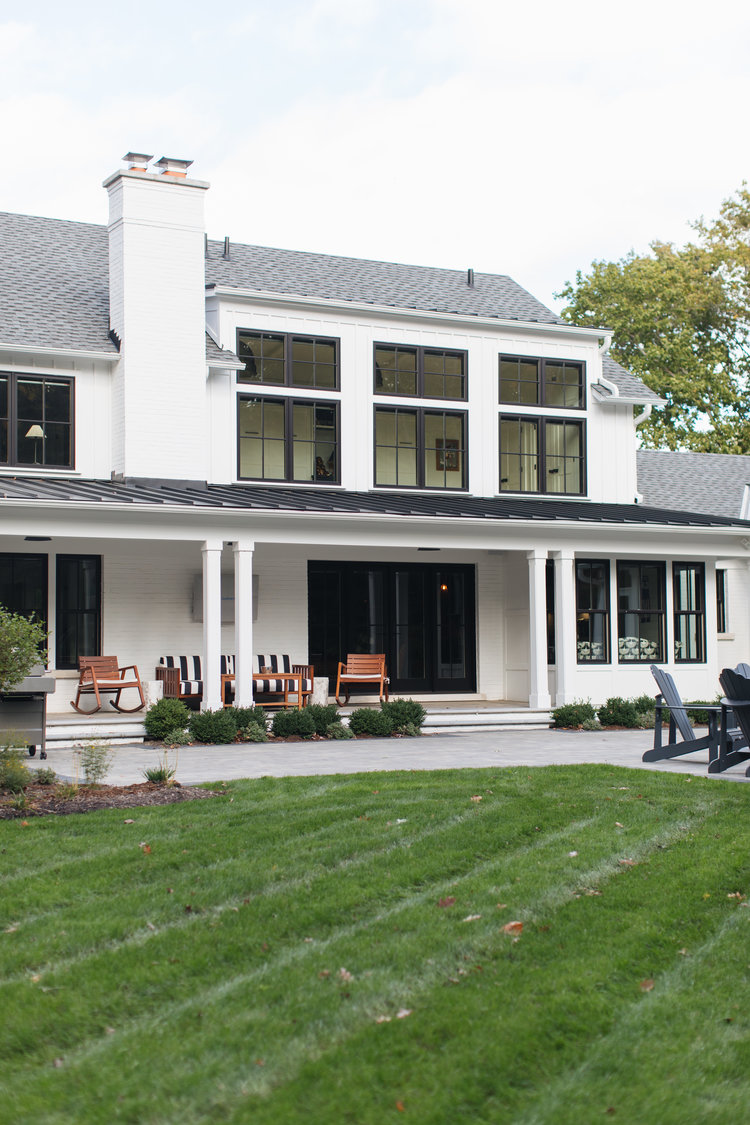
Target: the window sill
pixel 725 636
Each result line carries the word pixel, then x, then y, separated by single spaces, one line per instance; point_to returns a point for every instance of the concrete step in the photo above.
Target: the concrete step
pixel 64 732
pixel 454 720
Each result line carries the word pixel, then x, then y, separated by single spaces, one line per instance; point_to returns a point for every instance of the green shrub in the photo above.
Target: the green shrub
pixel 591 724
pixel 23 643
pixel 404 713
pixel 95 758
pixel 166 715
pixel 338 730
pixel 323 715
pixel 248 716
pixel 366 721
pixel 573 714
pixel 618 712
pixel 14 773
pixel 44 776
pixel 178 737
pixel 288 724
pixel 644 703
pixel 161 774
pixel 213 727
pixel 253 733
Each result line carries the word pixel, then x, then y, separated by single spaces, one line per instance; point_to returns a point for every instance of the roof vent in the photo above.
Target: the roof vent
pixel 470 278
pixel 137 161
pixel 168 166
pixel 226 247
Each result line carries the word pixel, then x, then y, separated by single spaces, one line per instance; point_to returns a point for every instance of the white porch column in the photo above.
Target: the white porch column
pixel 565 627
pixel 243 622
pixel 211 551
pixel 538 682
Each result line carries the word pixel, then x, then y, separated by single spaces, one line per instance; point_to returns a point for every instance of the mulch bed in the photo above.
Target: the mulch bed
pixel 42 800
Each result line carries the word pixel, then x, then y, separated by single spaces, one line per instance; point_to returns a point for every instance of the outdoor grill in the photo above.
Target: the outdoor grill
pixel 24 711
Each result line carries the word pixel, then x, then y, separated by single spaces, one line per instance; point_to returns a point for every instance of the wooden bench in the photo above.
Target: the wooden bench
pixel 102 675
pixel 362 668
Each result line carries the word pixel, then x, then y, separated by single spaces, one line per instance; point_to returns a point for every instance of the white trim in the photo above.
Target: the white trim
pixel 61 353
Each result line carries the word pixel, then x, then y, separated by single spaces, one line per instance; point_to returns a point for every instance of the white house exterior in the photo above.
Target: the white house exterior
pixel 211 448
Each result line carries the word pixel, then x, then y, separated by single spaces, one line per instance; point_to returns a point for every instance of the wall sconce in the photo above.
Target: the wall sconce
pixel 35 432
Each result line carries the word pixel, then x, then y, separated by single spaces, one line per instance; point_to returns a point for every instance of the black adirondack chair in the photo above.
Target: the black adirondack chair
pixel 721 744
pixel 735 683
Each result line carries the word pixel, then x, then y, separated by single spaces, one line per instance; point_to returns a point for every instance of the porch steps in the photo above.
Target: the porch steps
pixel 115 730
pixel 451 720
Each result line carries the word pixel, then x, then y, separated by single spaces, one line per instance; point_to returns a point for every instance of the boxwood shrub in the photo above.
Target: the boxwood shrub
pixel 367 721
pixel 406 715
pixel 214 727
pixel 164 716
pixel 573 715
pixel 323 715
pixel 247 716
pixel 287 724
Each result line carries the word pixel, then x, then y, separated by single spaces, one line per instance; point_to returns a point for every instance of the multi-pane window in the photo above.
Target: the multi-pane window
pixel 424 372
pixel 281 359
pixel 592 611
pixel 23 584
pixel 288 440
pixel 417 448
pixel 542 382
pixel 79 608
pixel 689 591
pixel 640 612
pixel 36 420
pixel 542 455
pixel 721 601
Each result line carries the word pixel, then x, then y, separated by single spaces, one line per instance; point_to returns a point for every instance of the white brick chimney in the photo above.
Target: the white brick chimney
pixel 157 309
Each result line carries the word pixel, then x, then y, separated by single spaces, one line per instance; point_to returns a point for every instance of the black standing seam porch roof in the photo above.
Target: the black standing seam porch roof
pixel 324 501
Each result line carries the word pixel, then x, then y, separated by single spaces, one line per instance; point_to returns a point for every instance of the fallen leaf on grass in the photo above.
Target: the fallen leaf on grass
pixel 382 1019
pixel 738 895
pixel 502 906
pixel 344 974
pixel 449 900
pixel 35 979
pixel 706 895
pixel 682 952
pixel 324 973
pixel 151 926
pixel 402 1013
pixel 627 863
pixel 129 821
pixel 572 855
pixel 471 918
pixel 24 824
pixel 145 848
pixel 400 1107
pixel 618 825
pixel 476 798
pixel 513 928
pixel 11 929
pixel 646 985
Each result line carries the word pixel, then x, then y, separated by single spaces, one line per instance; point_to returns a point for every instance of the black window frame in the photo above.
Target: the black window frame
pixel 288 339
pixel 76 613
pixel 682 614
pixel 659 612
pixel 421 351
pixel 11 421
pixel 541 421
pixel 289 402
pixel 421 413
pixel 588 613
pixel 27 563
pixel 542 382
pixel 722 603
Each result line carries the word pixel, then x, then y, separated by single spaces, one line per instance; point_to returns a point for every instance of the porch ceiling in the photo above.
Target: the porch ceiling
pixel 145 494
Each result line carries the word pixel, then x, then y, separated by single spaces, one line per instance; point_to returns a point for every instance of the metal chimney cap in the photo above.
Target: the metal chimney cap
pixel 170 166
pixel 137 161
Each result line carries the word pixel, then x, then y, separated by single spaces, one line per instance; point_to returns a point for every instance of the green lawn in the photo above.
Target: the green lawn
pixel 257 963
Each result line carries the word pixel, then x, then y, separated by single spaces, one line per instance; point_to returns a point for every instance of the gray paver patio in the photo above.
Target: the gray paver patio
pixel 435 751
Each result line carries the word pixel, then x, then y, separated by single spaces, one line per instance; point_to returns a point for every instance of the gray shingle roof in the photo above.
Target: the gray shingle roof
pixel 712 483
pixel 222 356
pixel 54 284
pixel 241 497
pixel 629 385
pixel 378 283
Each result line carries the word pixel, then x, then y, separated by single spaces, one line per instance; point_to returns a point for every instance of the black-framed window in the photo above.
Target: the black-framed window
pixel 79 609
pixel 640 612
pixel 689 594
pixel 36 420
pixel 721 601
pixel 592 611
pixel 418 448
pixel 285 359
pixel 542 455
pixel 528 381
pixel 423 372
pixel 23 584
pixel 288 439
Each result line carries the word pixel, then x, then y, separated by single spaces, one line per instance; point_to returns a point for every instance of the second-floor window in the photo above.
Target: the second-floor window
pixel 542 382
pixel 422 372
pixel 417 448
pixel 36 420
pixel 542 455
pixel 282 359
pixel 285 439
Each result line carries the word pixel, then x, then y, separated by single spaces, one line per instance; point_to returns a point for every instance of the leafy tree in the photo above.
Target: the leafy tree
pixel 23 643
pixel 681 321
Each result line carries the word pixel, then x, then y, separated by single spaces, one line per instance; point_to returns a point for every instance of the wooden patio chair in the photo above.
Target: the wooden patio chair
pixel 182 677
pixel 265 682
pixel 103 675
pixel 362 668
pixel 735 683
pixel 679 722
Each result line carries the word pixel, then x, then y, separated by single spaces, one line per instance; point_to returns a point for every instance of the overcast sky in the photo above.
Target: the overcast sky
pixel 519 138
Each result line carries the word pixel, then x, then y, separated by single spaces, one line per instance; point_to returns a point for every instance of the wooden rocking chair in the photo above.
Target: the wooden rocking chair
pixel 102 675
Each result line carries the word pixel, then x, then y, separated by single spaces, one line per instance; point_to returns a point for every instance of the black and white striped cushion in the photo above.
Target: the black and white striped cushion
pixel 191 678
pixel 275 663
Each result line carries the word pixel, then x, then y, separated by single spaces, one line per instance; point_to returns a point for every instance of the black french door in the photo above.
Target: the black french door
pixel 420 616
